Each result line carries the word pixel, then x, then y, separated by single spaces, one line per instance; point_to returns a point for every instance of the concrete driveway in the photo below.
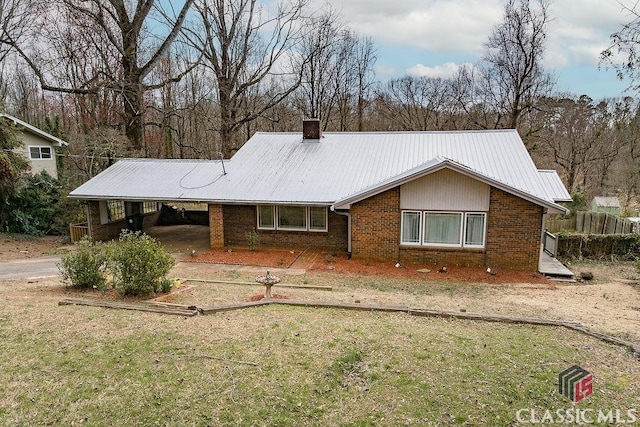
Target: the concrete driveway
pixel 35 268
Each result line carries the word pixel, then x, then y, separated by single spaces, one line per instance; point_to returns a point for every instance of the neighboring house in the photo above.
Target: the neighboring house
pixel 465 197
pixel 606 204
pixel 38 146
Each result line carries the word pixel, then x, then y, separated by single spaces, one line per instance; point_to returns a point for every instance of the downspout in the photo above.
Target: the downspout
pixel 348 215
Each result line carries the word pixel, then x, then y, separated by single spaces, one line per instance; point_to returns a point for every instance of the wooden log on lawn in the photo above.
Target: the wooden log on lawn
pixel 136 307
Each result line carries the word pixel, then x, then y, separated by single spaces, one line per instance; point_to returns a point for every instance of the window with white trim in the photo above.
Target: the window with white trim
pixel 39 152
pixel 266 217
pixel 149 207
pixel 317 218
pixel 410 228
pixel 292 218
pixel 443 229
pixel 115 210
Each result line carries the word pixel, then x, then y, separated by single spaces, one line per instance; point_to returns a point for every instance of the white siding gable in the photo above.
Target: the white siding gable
pixel 445 190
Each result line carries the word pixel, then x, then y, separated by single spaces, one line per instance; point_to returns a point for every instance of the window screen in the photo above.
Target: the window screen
pixel 442 228
pixel 292 217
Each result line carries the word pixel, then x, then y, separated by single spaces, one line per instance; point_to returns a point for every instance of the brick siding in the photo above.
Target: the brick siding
pixel 111 230
pixel 513 234
pixel 375 226
pixel 216 226
pixel 515 230
pixel 240 219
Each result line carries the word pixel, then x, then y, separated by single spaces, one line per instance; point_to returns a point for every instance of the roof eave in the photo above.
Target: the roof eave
pixel 133 198
pixel 57 142
pixel 346 203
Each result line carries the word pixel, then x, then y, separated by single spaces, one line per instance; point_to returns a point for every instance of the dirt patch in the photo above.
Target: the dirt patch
pixel 280 258
pixel 259 297
pixel 14 248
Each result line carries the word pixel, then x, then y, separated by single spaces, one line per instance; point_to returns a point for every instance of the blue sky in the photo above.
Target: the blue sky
pixel 435 37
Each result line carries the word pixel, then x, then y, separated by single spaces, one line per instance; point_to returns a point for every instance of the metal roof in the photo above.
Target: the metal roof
pixel 282 168
pixel 56 141
pixel 151 179
pixel 554 186
pixel 606 202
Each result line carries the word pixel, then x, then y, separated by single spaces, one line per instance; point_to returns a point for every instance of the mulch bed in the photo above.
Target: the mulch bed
pixel 279 258
pixel 341 265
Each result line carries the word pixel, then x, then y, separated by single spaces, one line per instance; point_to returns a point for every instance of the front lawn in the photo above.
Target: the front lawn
pixel 289 366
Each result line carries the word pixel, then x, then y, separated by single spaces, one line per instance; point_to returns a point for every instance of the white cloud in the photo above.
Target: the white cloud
pixel 577 33
pixel 435 25
pixel 384 71
pixel 580 30
pixel 445 70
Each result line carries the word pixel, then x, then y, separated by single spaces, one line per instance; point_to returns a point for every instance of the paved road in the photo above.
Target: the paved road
pixel 35 268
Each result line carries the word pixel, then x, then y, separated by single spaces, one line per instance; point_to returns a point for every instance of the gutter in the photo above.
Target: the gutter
pixel 348 215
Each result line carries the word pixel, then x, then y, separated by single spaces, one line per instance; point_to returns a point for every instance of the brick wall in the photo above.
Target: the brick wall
pixel 437 257
pixel 513 234
pixel 111 230
pixel 376 226
pixel 515 229
pixel 216 226
pixel 240 219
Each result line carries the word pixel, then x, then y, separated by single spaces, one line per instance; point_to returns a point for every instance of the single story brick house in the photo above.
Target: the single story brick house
pixel 457 197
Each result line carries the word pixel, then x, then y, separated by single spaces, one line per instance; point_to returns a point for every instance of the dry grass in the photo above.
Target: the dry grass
pixel 284 366
pixel 609 307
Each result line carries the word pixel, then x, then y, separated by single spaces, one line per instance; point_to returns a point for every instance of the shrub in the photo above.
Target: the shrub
pixel 253 239
pixel 138 264
pixel 85 267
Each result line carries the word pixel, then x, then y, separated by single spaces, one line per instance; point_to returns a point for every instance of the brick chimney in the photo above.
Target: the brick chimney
pixel 311 129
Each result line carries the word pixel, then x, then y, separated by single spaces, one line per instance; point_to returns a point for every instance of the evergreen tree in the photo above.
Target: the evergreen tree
pixel 13 168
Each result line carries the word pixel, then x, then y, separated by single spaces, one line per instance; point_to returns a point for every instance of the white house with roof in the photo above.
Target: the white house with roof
pixel 458 197
pixel 37 146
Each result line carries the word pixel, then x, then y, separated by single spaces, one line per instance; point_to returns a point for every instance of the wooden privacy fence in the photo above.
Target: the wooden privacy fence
pixel 592 223
pixel 78 231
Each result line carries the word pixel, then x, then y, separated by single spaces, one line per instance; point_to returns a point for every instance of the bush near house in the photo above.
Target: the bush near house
pixel 137 263
pixel 40 207
pixel 85 267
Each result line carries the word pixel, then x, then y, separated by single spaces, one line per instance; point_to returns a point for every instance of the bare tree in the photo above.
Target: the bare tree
pixel 16 18
pixel 417 103
pixel 95 46
pixel 338 76
pixel 247 50
pixel 623 54
pixel 315 99
pixel 580 139
pixel 512 74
